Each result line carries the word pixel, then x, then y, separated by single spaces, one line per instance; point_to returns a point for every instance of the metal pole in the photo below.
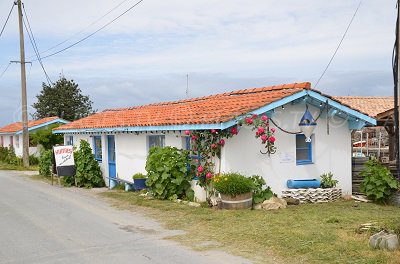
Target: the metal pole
pixel 396 92
pixel 25 132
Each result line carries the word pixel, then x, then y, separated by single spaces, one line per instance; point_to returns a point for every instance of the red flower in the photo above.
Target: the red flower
pixel 249 120
pixel 194 137
pixel 187 132
pixel 209 175
pixel 264 138
pixel 273 130
pixel 260 130
pixel 200 169
pixel 272 139
pixel 234 131
pixel 254 115
pixel 257 134
pixel 264 118
pixel 213 131
pixel 213 145
pixel 222 142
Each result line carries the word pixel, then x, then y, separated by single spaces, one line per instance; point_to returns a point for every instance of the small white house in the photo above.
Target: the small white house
pixel 121 138
pixel 11 134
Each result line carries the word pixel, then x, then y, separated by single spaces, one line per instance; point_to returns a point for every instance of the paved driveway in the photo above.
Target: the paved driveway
pixel 40 223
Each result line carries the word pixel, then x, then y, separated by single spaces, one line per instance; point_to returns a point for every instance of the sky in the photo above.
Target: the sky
pixel 222 45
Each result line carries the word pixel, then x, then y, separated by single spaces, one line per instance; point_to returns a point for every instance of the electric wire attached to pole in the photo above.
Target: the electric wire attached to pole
pixel 340 43
pixel 8 17
pixel 93 33
pixel 82 30
pixel 34 45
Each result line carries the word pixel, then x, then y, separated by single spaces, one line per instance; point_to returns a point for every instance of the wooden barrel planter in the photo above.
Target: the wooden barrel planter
pixel 241 201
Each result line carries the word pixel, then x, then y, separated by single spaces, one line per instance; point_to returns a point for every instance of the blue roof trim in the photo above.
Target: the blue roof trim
pixel 342 108
pixel 268 108
pixel 59 120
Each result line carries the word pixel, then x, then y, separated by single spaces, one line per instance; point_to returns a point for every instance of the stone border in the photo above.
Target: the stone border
pixel 312 195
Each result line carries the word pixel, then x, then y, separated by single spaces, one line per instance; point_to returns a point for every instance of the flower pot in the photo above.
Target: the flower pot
pixel 139 184
pixel 240 201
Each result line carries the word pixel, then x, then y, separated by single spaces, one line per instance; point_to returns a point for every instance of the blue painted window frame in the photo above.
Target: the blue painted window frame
pixel 96 151
pixel 188 146
pixel 70 141
pixel 309 159
pixel 155 136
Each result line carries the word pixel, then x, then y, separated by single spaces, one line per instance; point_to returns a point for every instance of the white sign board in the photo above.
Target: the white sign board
pixel 286 157
pixel 64 156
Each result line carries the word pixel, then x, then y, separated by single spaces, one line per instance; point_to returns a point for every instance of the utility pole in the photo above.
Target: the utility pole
pixel 25 132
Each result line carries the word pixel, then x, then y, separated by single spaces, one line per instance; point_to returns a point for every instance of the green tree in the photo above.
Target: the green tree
pixel 63 99
pixel 46 138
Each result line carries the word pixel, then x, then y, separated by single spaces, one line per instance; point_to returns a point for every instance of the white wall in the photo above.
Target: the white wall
pixel 132 152
pixel 330 152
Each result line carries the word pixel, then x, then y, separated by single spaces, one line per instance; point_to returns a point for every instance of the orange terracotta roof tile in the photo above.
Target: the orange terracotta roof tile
pixel 211 109
pixel 17 126
pixel 371 105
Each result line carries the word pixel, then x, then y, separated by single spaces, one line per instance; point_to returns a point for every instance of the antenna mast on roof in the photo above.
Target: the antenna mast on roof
pixel 187 85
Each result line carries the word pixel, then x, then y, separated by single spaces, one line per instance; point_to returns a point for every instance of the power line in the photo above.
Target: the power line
pixel 340 43
pixel 8 66
pixel 33 43
pixel 8 17
pixel 91 24
pixel 88 36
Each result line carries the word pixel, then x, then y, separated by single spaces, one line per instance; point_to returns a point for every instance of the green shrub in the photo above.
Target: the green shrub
pixel 232 184
pixel 327 181
pixel 33 160
pixel 88 173
pixel 260 194
pixel 168 174
pixel 45 162
pixel 378 183
pixel 8 156
pixel 139 176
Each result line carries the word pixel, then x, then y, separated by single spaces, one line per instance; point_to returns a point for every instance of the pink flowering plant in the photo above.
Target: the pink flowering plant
pixel 207 145
pixel 263 131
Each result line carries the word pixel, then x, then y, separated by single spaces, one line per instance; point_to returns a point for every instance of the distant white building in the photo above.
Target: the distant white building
pixel 11 134
pixel 121 138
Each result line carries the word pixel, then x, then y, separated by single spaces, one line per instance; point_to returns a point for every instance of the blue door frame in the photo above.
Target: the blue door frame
pixel 112 172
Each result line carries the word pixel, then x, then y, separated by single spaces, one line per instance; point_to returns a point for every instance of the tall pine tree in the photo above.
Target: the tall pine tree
pixel 63 99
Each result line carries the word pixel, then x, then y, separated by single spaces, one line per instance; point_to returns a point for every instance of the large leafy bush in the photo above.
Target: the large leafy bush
pixel 232 184
pixel 378 183
pixel 8 156
pixel 168 173
pixel 45 162
pixel 88 173
pixel 260 193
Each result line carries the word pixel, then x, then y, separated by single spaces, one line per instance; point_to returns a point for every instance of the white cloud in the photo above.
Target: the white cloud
pixel 228 44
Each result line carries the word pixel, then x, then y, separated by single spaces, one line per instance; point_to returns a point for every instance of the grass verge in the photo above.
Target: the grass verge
pixel 311 233
pixel 5 166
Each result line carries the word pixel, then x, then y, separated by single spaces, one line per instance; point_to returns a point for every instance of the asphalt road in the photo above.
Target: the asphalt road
pixel 40 223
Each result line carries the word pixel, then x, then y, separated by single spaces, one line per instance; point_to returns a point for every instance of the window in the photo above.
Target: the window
pixel 1 141
pixel 156 141
pixel 186 143
pixel 97 148
pixel 69 140
pixel 11 141
pixel 303 150
pixel 17 141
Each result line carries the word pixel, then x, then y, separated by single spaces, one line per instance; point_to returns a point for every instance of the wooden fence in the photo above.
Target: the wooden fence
pixel 358 164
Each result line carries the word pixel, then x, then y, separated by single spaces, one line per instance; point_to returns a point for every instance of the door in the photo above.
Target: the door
pixel 112 172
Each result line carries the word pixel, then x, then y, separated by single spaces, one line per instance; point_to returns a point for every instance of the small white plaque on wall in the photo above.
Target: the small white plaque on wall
pixel 286 157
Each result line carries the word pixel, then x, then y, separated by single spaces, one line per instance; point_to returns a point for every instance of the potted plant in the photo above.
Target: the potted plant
pixel 327 181
pixel 235 189
pixel 139 181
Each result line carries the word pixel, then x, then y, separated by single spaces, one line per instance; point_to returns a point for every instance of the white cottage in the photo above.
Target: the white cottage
pixel 120 138
pixel 11 134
